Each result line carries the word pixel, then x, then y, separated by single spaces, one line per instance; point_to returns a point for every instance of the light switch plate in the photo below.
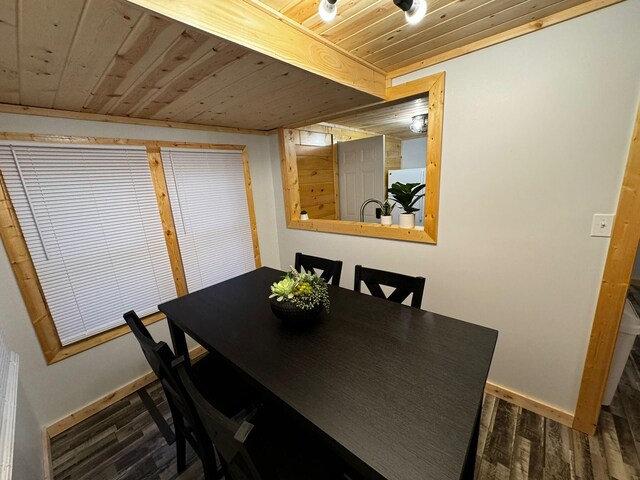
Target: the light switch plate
pixel 602 225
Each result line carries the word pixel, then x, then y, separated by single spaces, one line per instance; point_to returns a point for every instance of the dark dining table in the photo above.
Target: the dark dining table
pixel 395 391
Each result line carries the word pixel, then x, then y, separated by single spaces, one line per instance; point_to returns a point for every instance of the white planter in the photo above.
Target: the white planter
pixel 304 216
pixel 386 220
pixel 407 220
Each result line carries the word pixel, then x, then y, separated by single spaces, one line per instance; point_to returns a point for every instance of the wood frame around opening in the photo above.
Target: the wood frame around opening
pixel 613 291
pixel 22 263
pixel 434 86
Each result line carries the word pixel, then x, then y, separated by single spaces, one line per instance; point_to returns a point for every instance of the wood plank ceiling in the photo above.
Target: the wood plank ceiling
pixel 375 30
pixel 110 57
pixel 391 120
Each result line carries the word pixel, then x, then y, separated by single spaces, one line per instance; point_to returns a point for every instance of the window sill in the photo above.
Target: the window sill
pixel 87 343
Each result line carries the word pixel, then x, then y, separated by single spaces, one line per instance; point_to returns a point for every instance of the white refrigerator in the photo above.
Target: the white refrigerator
pixel 408 175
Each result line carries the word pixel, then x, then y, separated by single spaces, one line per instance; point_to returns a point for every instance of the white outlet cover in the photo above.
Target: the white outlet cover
pixel 602 224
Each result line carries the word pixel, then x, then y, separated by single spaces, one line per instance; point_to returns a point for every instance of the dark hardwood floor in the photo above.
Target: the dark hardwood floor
pixel 122 442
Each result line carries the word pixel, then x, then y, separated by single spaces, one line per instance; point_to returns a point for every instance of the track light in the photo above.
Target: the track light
pixel 419 123
pixel 327 10
pixel 414 10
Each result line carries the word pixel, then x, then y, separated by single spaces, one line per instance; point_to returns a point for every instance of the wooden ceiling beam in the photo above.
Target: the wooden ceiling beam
pixel 253 25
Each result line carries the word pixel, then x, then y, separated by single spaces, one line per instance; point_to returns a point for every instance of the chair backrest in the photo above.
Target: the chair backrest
pixel 331 269
pixel 152 351
pixel 404 285
pixel 160 358
pixel 228 436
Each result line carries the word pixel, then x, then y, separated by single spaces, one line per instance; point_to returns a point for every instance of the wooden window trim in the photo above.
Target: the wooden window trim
pixel 434 86
pixel 22 263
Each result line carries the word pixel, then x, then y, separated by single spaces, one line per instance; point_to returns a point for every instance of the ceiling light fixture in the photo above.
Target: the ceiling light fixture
pixel 414 10
pixel 419 123
pixel 327 10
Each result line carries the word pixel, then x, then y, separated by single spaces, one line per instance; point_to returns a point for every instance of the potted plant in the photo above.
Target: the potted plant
pixel 406 194
pixel 299 296
pixel 304 215
pixel 385 213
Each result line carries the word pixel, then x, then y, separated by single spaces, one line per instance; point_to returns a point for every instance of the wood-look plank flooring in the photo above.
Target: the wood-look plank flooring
pixel 122 442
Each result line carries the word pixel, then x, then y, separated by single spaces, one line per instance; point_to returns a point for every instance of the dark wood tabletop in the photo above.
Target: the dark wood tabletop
pixel 395 390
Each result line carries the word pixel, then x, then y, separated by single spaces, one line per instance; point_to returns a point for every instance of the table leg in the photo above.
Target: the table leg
pixel 179 340
pixel 468 473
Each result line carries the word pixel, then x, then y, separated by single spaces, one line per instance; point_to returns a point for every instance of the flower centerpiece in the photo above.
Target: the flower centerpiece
pixel 299 296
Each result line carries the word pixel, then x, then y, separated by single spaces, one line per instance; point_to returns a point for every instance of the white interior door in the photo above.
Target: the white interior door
pixel 361 176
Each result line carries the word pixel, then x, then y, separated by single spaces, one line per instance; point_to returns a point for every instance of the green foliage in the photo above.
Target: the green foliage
pixel 304 290
pixel 406 194
pixel 387 208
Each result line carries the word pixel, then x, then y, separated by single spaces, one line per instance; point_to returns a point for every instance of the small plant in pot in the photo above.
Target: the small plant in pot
pixel 385 213
pixel 407 195
pixel 299 297
pixel 304 215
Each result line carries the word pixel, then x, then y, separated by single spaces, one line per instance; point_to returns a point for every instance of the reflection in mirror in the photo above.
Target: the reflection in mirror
pixel 346 165
pixel 315 193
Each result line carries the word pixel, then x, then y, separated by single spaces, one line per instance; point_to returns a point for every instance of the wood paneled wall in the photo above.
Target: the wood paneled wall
pixel 316 180
pixel 318 168
pixel 392 157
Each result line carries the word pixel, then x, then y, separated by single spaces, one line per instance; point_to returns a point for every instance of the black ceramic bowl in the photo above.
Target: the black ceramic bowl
pixel 290 313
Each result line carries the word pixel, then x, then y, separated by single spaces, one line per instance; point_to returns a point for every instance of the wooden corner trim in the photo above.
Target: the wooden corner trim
pixel 530 403
pixel 534 26
pixel 613 291
pixel 98 117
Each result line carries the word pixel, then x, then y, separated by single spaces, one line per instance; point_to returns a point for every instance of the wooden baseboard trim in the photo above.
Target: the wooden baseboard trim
pixel 531 404
pixel 47 464
pixel 108 400
pixel 69 421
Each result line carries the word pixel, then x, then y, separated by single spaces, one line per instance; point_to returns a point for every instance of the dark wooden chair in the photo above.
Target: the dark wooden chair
pixel 404 285
pixel 331 269
pixel 187 425
pixel 267 448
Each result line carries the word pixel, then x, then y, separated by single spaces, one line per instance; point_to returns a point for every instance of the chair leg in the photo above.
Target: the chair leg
pixel 157 417
pixel 208 458
pixel 181 451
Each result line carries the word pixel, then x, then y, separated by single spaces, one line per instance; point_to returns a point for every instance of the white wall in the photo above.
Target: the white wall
pixel 59 389
pixel 414 153
pixel 536 134
pixel 27 453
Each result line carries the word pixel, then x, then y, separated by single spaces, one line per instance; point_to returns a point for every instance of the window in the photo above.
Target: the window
pixel 95 230
pixel 211 214
pixel 90 219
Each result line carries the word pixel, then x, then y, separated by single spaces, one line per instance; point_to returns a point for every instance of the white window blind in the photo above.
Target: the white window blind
pixel 211 214
pixel 91 222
